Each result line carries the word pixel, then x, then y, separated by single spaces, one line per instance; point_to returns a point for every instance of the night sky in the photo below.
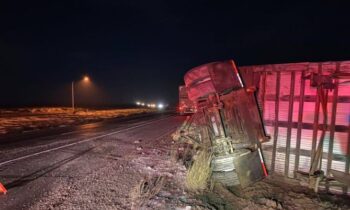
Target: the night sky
pixel 140 50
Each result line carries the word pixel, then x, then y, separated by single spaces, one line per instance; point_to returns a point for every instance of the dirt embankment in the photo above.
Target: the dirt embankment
pixel 28 119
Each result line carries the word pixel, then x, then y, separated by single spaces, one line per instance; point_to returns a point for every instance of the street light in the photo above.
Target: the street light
pixel 85 79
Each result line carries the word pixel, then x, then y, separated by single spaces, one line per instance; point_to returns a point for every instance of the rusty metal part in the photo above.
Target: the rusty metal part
pixel 216 77
pixel 232 119
pixel 249 168
pixel 225 162
pixel 227 178
pixel 317 156
pixel 340 176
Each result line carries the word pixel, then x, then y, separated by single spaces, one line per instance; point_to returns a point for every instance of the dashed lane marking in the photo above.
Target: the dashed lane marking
pixel 79 142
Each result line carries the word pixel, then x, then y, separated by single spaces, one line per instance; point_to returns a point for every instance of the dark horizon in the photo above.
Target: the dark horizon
pixel 137 50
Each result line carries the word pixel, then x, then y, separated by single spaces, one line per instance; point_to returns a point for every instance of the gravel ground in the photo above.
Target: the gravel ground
pixel 121 165
pixel 136 169
pixel 274 192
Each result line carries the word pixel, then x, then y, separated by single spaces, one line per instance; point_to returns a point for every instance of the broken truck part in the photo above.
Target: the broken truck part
pixel 229 111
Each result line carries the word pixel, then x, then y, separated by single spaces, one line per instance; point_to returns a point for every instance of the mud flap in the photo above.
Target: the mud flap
pixel 249 169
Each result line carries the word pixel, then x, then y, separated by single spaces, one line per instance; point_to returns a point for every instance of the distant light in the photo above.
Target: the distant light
pixel 160 106
pixel 142 104
pixel 148 105
pixel 86 78
pixel 153 105
pixel 138 103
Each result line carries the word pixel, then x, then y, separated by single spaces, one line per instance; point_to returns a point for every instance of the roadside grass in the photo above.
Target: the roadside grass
pixel 27 119
pixel 198 175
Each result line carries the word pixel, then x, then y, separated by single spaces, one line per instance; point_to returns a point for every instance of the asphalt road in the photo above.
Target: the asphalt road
pixel 58 170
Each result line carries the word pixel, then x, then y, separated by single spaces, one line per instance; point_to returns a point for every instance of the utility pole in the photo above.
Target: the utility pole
pixel 73 96
pixel 85 79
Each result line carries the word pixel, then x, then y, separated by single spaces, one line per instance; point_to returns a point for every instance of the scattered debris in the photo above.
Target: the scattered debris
pixel 147 189
pixel 2 189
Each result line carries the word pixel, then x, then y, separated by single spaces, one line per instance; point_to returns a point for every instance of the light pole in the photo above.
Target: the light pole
pixel 85 79
pixel 73 96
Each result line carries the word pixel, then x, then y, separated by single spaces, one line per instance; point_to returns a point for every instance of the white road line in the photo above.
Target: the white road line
pixel 62 134
pixel 71 132
pixel 78 142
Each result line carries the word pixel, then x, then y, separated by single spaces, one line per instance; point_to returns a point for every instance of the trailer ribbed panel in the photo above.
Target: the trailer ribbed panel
pixel 336 145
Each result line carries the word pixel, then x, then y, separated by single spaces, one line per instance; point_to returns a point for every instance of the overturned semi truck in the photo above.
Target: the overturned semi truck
pixel 229 113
